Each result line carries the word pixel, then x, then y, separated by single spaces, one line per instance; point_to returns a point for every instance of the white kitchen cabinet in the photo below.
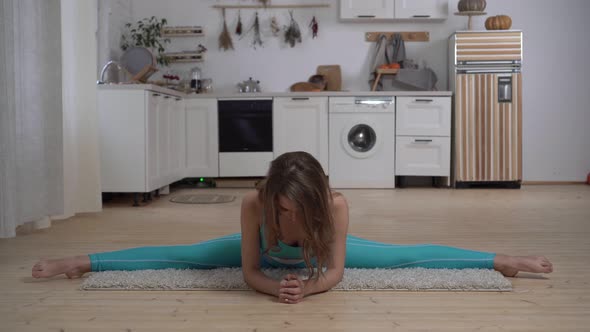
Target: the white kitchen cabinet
pixel 421 9
pixel 301 124
pixel 177 136
pixel 136 131
pixel 366 9
pixel 202 145
pixel 423 136
pixel 429 116
pixel 394 9
pixel 423 156
pixel 170 141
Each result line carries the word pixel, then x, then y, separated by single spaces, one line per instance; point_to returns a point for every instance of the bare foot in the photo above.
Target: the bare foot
pixel 509 266
pixel 73 267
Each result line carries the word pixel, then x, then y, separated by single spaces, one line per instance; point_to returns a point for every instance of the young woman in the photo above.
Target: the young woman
pixel 293 219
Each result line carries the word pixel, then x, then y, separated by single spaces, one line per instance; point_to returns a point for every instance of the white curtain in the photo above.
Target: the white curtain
pixel 31 155
pixel 48 138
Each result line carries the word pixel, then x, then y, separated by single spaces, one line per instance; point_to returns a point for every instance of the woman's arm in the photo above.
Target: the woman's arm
pixel 335 270
pixel 249 219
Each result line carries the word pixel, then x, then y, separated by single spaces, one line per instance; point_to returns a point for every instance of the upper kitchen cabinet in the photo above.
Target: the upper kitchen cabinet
pixel 421 9
pixel 301 124
pixel 366 9
pixel 394 9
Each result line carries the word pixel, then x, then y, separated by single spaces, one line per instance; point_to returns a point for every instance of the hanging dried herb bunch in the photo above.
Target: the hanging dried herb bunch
pixel 256 27
pixel 314 27
pixel 225 41
pixel 239 25
pixel 293 33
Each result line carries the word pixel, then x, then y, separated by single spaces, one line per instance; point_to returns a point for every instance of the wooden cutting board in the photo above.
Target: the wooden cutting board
pixel 333 76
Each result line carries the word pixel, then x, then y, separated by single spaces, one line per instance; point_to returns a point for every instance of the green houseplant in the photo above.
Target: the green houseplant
pixel 147 33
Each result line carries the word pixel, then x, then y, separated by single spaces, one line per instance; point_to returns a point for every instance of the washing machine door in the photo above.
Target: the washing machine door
pixel 360 139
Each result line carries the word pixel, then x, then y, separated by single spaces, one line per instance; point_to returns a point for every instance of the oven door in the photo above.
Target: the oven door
pixel 245 125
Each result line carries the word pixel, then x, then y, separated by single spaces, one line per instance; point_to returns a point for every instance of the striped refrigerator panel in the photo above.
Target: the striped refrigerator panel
pixel 487 46
pixel 488 133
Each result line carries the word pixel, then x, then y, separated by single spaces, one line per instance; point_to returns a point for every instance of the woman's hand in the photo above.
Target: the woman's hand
pixel 291 290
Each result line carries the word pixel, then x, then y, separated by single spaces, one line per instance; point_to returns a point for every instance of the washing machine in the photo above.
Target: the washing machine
pixel 362 142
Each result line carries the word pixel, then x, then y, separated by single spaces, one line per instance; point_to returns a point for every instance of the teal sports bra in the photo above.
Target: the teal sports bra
pixel 283 255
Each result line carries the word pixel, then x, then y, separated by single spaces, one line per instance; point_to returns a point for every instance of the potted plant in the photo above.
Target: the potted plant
pixel 147 33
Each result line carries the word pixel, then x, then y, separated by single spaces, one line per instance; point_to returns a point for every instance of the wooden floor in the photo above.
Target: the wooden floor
pixel 549 220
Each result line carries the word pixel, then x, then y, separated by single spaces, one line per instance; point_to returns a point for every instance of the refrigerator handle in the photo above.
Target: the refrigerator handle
pixel 504 89
pixel 487 71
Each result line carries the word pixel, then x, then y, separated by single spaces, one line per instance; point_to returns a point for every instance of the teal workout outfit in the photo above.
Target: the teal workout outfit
pixel 226 252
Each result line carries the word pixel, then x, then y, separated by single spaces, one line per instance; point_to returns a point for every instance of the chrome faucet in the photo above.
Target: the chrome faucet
pixel 120 71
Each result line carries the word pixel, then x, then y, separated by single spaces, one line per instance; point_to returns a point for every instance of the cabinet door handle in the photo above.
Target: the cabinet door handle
pixel 365 16
pixel 166 97
pixel 421 16
pixel 424 100
pixel 156 94
pixel 422 140
pixel 300 98
pixel 178 99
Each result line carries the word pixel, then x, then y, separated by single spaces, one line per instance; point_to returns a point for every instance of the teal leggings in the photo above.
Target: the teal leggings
pixel 226 252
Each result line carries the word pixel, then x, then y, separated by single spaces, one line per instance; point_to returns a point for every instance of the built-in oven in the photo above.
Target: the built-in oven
pixel 245 136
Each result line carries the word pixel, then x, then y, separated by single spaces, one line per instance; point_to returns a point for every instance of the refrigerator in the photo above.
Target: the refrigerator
pixel 486 79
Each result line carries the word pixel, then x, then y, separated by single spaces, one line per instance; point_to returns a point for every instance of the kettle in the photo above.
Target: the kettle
pixel 249 86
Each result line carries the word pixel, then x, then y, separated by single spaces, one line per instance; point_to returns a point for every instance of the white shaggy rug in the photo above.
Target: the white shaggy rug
pixel 412 279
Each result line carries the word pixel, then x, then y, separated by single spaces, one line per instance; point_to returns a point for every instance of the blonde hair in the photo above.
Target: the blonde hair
pixel 299 177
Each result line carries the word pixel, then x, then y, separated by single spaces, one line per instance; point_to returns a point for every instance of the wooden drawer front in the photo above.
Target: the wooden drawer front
pixel 423 116
pixel 423 156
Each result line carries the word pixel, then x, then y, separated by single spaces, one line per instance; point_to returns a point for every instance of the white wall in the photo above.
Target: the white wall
pixel 556 142
pixel 80 130
pixel 112 16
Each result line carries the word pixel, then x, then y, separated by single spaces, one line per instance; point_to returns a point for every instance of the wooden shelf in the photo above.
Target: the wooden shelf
pixel 408 36
pixel 182 31
pixel 177 57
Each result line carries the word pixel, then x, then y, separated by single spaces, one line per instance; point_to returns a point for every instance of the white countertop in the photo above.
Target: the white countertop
pixel 160 89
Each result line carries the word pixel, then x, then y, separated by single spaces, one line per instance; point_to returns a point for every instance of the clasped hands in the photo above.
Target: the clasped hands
pixel 291 290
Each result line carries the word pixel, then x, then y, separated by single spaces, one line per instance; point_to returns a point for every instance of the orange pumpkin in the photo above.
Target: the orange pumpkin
pixel 498 22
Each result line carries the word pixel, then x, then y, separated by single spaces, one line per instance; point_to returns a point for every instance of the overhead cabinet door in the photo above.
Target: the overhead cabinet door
pixel 369 9
pixel 421 9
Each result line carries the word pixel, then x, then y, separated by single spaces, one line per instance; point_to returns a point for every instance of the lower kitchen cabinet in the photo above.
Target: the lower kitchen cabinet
pixel 202 145
pixel 301 124
pixel 141 136
pixel 150 139
pixel 423 156
pixel 423 142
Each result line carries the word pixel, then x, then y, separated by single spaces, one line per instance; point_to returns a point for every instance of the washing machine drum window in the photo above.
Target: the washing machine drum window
pixel 362 138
